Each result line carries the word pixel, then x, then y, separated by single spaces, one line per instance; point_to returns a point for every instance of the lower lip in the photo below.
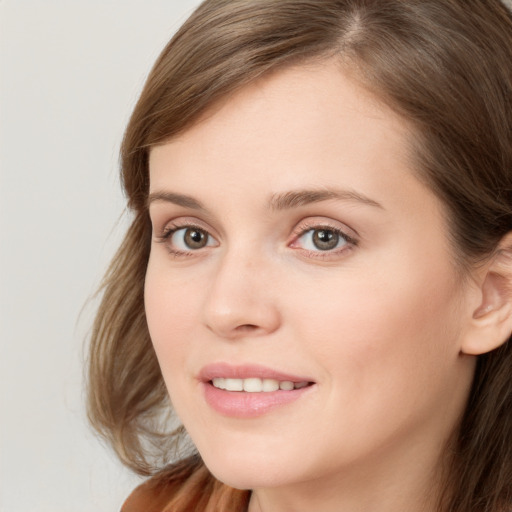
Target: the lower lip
pixel 240 404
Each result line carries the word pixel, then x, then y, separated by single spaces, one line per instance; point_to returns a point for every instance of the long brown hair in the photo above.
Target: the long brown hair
pixel 446 67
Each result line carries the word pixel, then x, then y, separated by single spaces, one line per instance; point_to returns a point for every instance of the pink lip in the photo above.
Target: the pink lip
pixel 247 405
pixel 211 371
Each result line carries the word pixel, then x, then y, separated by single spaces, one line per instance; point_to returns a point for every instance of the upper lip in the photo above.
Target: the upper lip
pixel 246 371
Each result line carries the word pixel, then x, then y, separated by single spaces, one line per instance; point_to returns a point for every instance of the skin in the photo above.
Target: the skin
pixel 378 323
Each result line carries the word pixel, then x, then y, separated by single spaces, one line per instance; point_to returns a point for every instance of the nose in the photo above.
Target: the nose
pixel 241 300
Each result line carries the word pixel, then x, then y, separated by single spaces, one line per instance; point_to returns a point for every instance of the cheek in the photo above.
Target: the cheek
pixel 390 332
pixel 170 306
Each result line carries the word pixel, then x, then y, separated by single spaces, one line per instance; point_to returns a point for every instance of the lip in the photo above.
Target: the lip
pixel 246 371
pixel 236 404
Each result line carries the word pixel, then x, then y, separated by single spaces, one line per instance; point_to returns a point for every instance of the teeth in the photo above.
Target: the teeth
pixel 286 385
pixel 234 384
pixel 219 383
pixel 270 385
pixel 255 385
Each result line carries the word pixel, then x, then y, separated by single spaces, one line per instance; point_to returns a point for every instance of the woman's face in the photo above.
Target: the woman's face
pixel 293 247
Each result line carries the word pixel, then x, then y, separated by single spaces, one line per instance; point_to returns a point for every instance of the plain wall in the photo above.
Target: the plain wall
pixel 70 72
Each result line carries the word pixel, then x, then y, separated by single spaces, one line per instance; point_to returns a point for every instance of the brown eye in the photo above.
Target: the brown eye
pixel 190 239
pixel 195 238
pixel 325 239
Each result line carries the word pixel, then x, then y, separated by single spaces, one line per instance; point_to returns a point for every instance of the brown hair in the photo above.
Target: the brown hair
pixel 444 65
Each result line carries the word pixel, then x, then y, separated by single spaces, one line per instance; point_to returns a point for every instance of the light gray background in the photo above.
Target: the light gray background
pixel 70 72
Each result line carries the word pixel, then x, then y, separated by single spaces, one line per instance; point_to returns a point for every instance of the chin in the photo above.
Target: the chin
pixel 248 477
pixel 250 470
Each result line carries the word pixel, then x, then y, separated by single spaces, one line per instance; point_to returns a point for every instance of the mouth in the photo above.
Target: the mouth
pixel 257 385
pixel 250 391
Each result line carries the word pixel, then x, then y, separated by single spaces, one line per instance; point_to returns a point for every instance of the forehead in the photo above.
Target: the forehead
pixel 304 123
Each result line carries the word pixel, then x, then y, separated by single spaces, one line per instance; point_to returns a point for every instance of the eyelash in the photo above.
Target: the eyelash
pixel 170 230
pixel 351 242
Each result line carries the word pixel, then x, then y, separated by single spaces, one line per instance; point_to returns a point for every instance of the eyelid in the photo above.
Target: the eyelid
pixel 313 224
pixel 318 222
pixel 181 223
pixel 165 234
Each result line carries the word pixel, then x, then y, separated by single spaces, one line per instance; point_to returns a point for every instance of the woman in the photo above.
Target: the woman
pixel 318 271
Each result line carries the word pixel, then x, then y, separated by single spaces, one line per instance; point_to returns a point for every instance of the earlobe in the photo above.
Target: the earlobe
pixel 491 323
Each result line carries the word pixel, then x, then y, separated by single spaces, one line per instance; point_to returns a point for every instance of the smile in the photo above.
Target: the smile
pixel 250 391
pixel 256 385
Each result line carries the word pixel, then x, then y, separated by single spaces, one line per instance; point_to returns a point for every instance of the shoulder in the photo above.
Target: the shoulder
pixel 187 486
pixel 157 493
pixel 148 497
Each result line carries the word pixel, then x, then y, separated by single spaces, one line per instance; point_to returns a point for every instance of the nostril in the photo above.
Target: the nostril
pixel 246 328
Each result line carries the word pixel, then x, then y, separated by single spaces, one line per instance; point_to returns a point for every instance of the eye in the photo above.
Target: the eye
pixel 188 239
pixel 322 239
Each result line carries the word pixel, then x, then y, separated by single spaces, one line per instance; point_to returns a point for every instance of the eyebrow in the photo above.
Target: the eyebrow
pixel 283 201
pixel 178 199
pixel 297 198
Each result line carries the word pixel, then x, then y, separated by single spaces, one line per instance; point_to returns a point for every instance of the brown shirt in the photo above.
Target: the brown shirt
pixel 149 497
pixel 186 487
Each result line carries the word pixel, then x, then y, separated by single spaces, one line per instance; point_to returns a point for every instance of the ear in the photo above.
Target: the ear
pixel 491 323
